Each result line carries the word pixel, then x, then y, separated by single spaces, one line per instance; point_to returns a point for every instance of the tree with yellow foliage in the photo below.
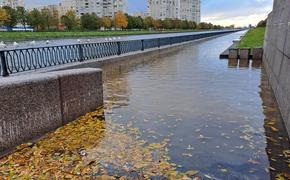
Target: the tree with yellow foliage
pixel 121 20
pixel 3 16
pixel 106 22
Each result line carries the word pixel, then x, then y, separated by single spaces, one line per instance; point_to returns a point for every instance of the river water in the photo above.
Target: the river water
pixel 217 114
pixel 211 118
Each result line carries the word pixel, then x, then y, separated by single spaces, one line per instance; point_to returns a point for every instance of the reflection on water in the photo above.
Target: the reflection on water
pixel 178 114
pixel 209 109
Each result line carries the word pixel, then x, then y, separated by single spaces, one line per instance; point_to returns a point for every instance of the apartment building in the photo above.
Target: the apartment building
pixel 12 3
pixel 179 9
pixel 162 9
pixel 66 5
pixel 101 8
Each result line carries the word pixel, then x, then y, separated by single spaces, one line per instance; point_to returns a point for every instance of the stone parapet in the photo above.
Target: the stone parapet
pixel 32 105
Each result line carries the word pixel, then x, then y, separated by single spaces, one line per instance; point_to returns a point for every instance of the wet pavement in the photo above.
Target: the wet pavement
pixel 184 111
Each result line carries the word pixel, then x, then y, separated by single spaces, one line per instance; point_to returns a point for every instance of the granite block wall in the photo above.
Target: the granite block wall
pixel 32 105
pixel 276 56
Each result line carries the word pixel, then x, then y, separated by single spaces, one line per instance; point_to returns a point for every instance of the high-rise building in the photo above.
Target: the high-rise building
pixel 99 7
pixel 12 3
pixel 190 10
pixel 89 6
pixel 162 9
pixel 66 5
pixel 179 9
pixel 50 9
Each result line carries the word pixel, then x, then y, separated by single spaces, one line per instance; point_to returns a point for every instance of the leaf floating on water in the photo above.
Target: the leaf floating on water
pixel 253 161
pixel 208 176
pixel 192 172
pixel 224 170
pixel 187 154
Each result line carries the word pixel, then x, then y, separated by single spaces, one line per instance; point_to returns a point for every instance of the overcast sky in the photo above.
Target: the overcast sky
pixel 223 12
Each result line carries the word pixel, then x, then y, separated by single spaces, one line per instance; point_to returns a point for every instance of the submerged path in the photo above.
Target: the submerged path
pixel 173 115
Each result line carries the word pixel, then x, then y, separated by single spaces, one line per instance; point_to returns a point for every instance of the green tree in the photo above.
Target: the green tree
pixel 177 24
pixel 12 16
pixel 262 23
pixel 70 20
pixel 90 21
pixel 22 16
pixel 157 24
pixel 192 25
pixel 167 23
pixel 184 24
pixel 35 19
pixel 148 22
pixel 50 18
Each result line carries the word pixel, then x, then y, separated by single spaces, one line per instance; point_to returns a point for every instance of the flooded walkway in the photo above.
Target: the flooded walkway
pixel 183 114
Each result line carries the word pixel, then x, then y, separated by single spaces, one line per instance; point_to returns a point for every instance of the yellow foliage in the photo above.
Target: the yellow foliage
pixel 87 149
pixel 121 20
pixel 107 22
pixel 3 16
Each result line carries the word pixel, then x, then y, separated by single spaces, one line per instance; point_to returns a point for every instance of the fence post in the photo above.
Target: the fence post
pixel 81 53
pixel 3 64
pixel 119 48
pixel 142 45
pixel 158 40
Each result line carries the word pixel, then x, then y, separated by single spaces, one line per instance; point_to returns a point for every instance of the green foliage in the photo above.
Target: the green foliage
pixel 12 16
pixel 35 19
pixel 70 20
pixel 148 22
pixel 22 15
pixel 90 22
pixel 262 23
pixel 135 22
pixel 49 19
pixel 253 38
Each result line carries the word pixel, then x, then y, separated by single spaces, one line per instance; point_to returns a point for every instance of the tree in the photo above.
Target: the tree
pixel 148 22
pixel 3 16
pixel 12 16
pixel 192 25
pixel 106 22
pixel 35 19
pixel 121 20
pixel 167 23
pixel 177 23
pixel 90 21
pixel 157 24
pixel 70 20
pixel 262 23
pixel 184 24
pixel 50 18
pixel 22 16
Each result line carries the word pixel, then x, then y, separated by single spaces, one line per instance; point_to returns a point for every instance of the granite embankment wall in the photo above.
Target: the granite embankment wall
pixel 276 56
pixel 32 105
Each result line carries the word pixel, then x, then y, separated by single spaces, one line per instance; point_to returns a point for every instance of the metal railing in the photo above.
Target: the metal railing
pixel 26 59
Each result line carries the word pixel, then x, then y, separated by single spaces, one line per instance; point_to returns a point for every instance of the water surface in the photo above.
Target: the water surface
pixel 217 114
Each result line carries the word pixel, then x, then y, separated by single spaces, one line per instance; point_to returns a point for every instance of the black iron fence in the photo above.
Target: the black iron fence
pixel 26 59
